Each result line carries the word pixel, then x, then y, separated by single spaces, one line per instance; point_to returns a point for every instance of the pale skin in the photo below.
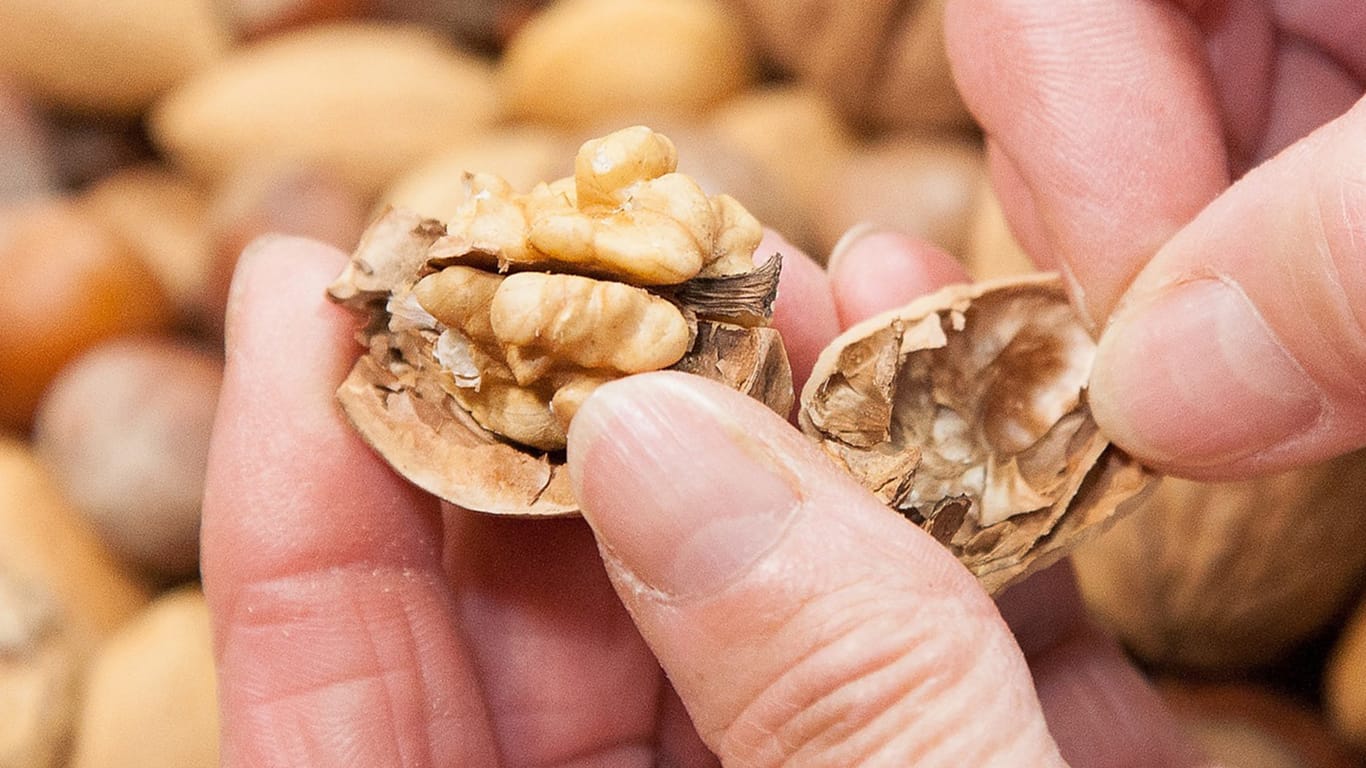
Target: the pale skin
pixel 359 622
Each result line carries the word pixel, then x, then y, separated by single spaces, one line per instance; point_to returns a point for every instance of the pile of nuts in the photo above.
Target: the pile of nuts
pixel 137 160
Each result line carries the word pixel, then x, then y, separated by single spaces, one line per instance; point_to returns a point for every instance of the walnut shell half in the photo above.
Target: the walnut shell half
pixel 966 411
pixel 405 396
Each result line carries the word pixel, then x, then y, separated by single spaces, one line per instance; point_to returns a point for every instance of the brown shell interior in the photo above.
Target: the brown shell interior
pixel 966 411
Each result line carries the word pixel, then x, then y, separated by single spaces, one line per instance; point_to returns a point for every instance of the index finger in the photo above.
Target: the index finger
pixel 1106 123
pixel 334 626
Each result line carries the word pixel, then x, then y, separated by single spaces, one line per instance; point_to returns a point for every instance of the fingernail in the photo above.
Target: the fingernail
pixel 678 492
pixel 846 243
pixel 1196 379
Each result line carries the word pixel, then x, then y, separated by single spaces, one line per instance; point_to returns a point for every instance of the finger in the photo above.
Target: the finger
pixel 805 311
pixel 1309 89
pixel 567 677
pixel 332 620
pixel 1106 111
pixel 1101 711
pixel 1333 25
pixel 797 618
pixel 1241 348
pixel 872 271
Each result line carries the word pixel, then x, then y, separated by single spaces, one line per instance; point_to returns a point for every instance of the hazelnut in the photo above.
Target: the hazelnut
pixel 486 333
pixel 150 694
pixel 161 216
pixel 966 412
pixel 124 431
pixel 106 56
pixel 61 593
pixel 73 283
pixel 362 101
pixel 1229 576
pixel 580 62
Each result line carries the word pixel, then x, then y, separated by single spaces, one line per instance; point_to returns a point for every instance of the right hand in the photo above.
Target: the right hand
pixel 1197 171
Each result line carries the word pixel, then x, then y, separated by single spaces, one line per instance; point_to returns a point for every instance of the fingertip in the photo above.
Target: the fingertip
pixel 276 275
pixel 874 270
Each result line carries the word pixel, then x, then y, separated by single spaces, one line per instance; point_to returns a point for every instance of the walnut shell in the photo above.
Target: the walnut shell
pixel 467 396
pixel 966 411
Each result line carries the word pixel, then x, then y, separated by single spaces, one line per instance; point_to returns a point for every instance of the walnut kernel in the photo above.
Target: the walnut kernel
pixel 488 332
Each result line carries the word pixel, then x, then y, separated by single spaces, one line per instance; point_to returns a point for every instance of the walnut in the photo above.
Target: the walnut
pixel 488 332
pixel 1227 577
pixel 966 411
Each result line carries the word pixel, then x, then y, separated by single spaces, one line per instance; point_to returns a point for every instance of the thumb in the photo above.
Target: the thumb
pixel 1241 347
pixel 798 618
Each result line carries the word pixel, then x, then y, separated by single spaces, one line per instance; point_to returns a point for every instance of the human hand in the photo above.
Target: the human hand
pixel 1233 301
pixel 359 622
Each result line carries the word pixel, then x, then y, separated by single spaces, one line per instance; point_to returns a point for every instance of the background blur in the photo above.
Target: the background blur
pixel 144 143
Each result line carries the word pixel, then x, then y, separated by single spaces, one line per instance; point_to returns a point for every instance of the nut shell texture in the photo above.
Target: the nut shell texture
pixel 966 411
pixel 485 336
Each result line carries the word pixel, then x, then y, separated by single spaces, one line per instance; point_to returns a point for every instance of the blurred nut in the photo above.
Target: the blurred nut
pixel 161 216
pixel 1241 725
pixel 484 22
pixel 768 123
pixel 362 101
pixel 522 156
pixel 919 186
pixel 992 250
pixel 581 62
pixel 39 676
pixel 124 431
pixel 965 411
pixel 1344 683
pixel 44 542
pixel 150 696
pixel 275 198
pixel 625 267
pixel 27 169
pixel 883 62
pixel 89 148
pixel 106 56
pixel 73 282
pixel 256 18
pixel 1228 576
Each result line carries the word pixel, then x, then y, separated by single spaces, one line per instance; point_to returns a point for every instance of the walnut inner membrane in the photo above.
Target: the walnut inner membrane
pixel 966 411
